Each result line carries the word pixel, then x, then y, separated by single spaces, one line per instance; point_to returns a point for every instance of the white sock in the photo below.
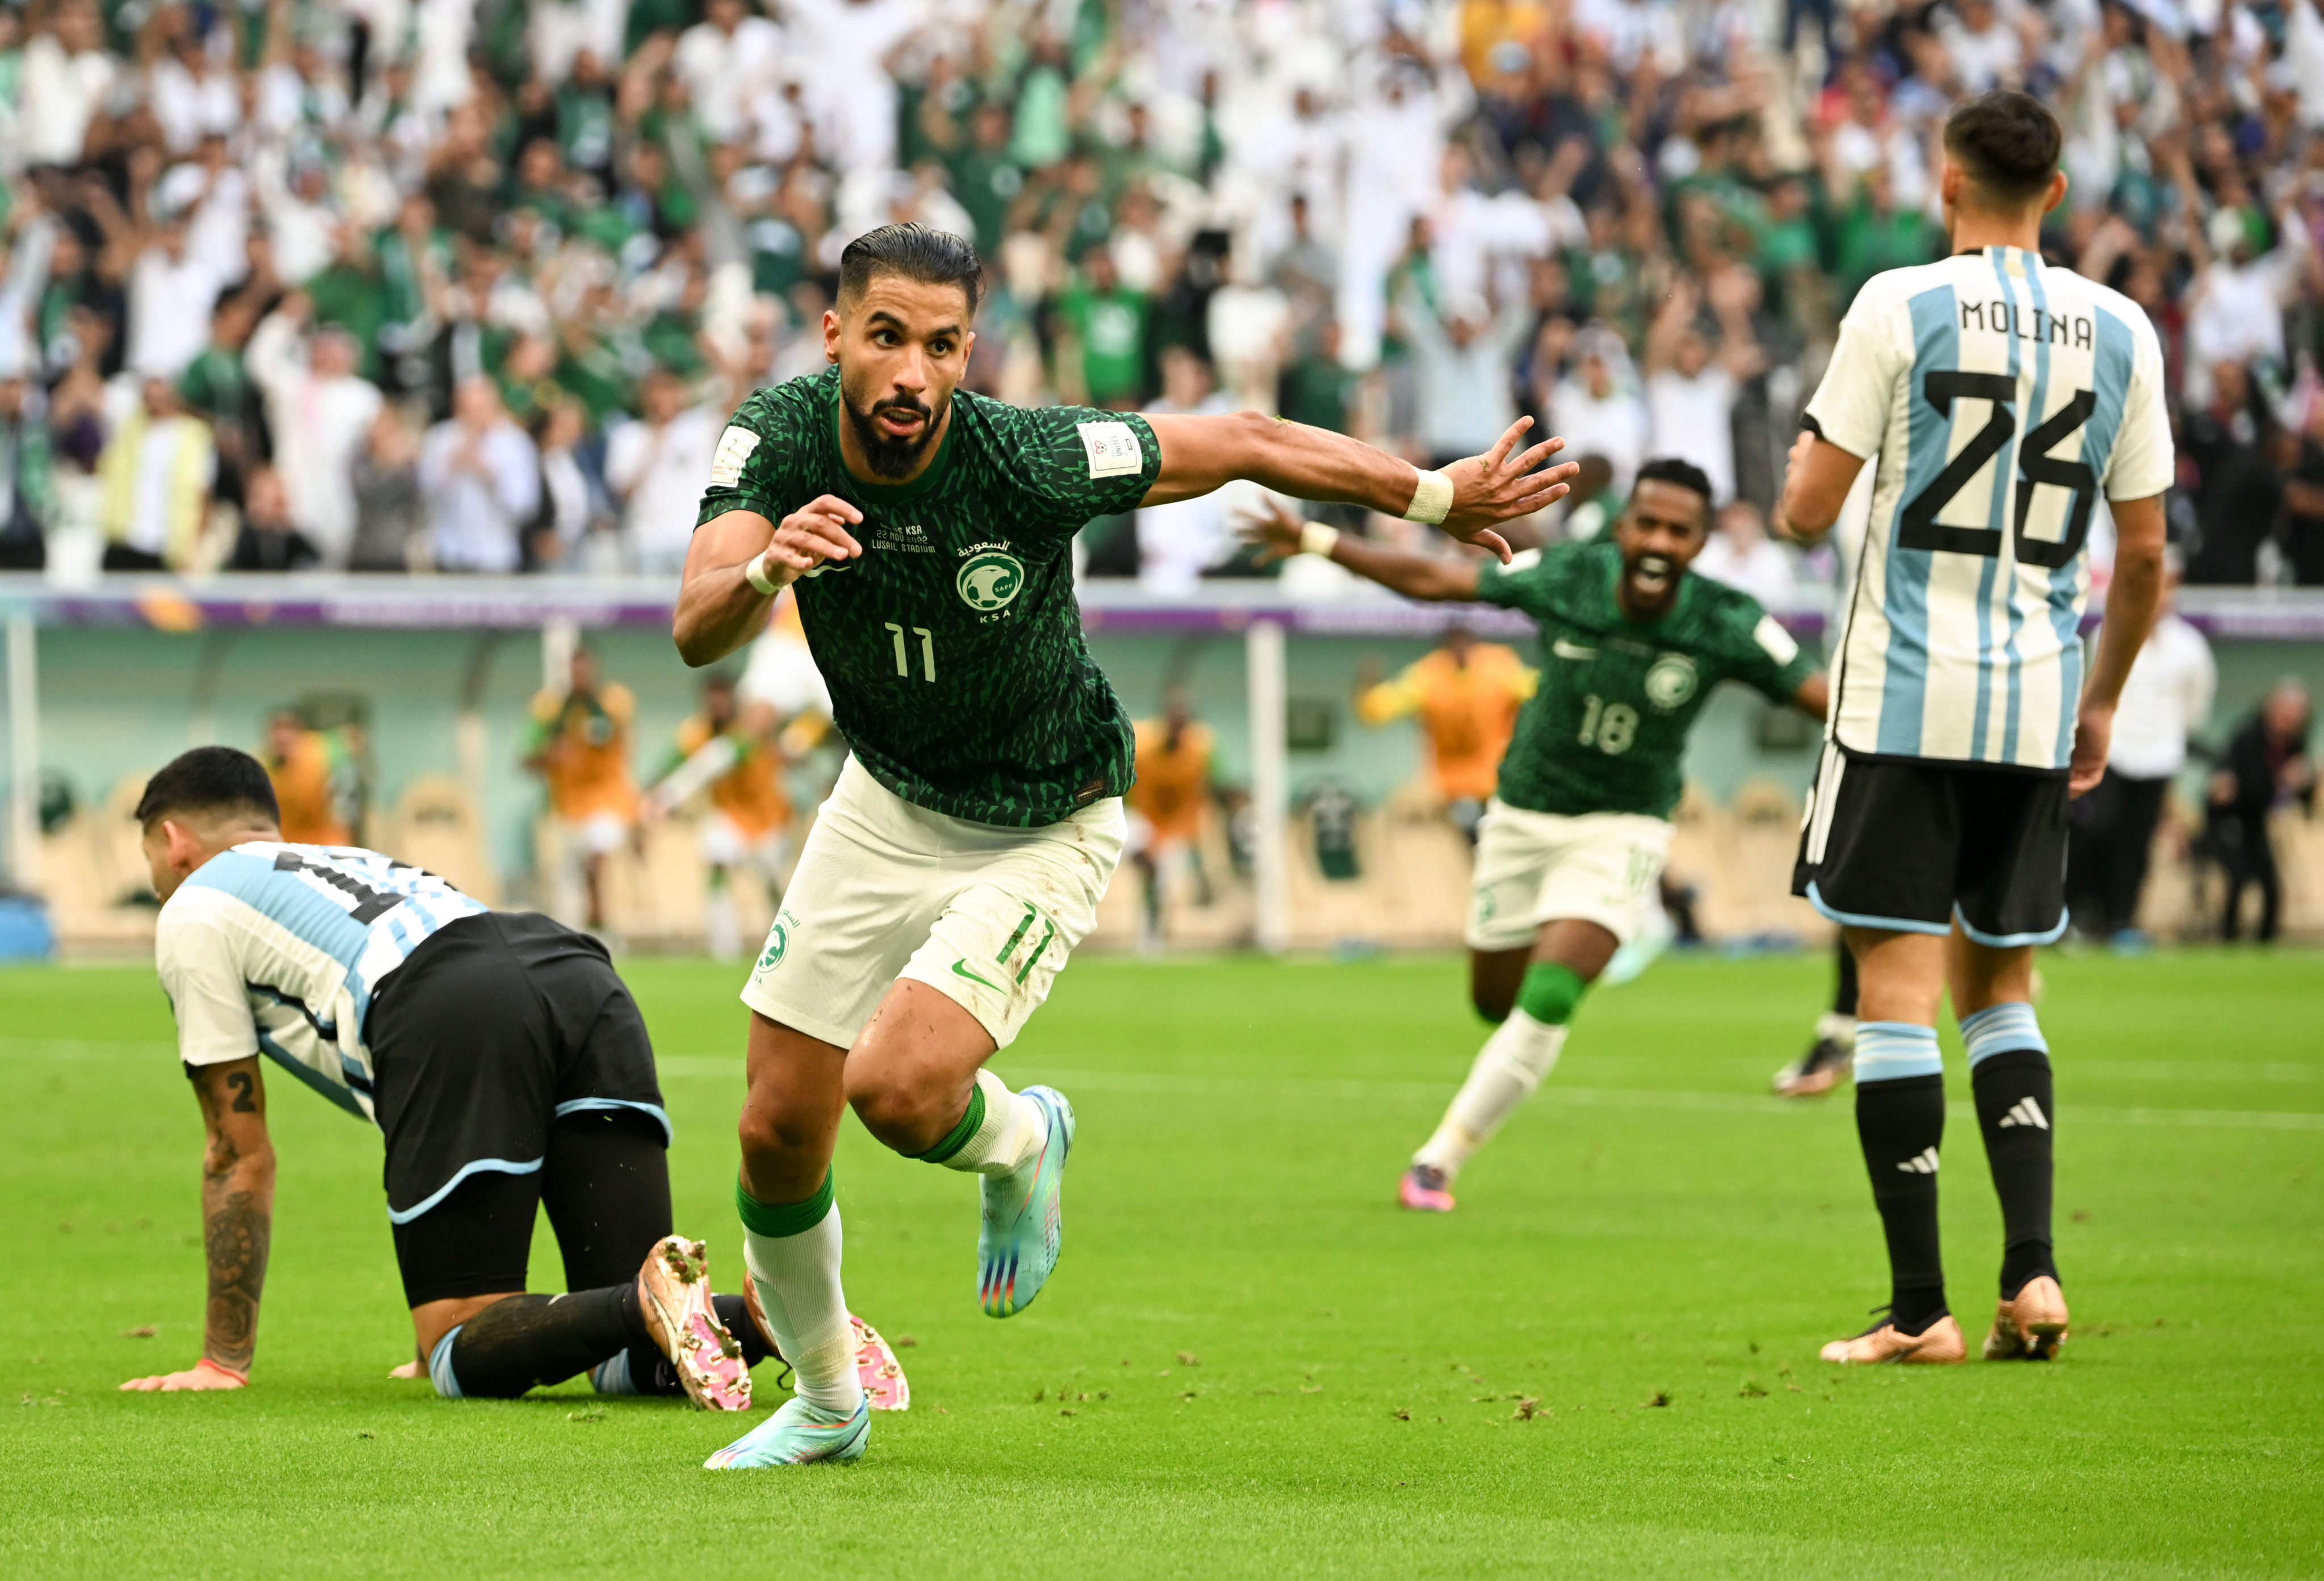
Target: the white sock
pixel 725 935
pixel 1512 1063
pixel 1015 1128
pixel 798 1278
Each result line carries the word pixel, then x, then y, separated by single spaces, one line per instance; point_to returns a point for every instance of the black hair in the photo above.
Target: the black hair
pixel 2007 143
pixel 207 779
pixel 916 251
pixel 1672 469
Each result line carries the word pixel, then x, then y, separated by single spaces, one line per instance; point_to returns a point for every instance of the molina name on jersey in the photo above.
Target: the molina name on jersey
pixel 277 949
pixel 1606 729
pixel 953 646
pixel 2002 398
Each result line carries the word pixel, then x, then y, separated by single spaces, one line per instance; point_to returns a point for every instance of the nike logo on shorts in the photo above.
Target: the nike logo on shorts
pixel 960 969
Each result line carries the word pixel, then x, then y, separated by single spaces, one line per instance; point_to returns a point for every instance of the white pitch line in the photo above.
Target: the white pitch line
pixel 1358 1089
pixel 1640 1098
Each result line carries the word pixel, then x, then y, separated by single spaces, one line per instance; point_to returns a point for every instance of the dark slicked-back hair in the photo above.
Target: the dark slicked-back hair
pixel 2007 143
pixel 207 780
pixel 932 257
pixel 1684 474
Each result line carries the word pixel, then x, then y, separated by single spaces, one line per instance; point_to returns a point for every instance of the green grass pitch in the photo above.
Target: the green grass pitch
pixel 1250 1362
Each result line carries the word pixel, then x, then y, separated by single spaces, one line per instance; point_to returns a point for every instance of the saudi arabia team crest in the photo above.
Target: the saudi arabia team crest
pixel 1670 682
pixel 989 579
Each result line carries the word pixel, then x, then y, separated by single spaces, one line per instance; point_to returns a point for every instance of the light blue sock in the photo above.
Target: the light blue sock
pixel 439 1366
pixel 1892 1050
pixel 1999 1027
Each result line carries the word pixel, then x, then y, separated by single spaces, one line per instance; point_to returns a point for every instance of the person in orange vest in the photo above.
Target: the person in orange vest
pixel 1166 803
pixel 581 750
pixel 306 767
pixel 1467 695
pixel 731 749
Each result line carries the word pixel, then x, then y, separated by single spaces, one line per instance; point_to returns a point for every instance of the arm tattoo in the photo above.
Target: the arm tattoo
pixel 237 1226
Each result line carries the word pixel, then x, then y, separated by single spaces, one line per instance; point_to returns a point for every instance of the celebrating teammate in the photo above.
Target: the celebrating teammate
pixel 2002 398
pixel 505 1065
pixel 1571 844
pixel 961 856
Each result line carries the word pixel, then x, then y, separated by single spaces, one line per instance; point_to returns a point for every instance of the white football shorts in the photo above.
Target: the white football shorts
pixel 1537 867
pixel 884 889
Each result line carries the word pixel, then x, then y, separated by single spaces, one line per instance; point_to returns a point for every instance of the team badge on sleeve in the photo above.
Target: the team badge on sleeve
pixel 1770 635
pixel 735 447
pixel 1113 449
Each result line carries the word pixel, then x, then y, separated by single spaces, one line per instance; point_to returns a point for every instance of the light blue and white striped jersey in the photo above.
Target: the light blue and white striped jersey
pixel 2002 397
pixel 276 950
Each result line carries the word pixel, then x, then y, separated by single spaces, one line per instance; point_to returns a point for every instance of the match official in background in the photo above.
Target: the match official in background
pixel 2002 397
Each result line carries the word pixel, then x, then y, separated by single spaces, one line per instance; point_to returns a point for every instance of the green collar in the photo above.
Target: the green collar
pixel 894 493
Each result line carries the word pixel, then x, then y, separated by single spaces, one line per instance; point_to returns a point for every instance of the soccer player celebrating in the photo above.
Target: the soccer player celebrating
pixel 961 856
pixel 2002 397
pixel 1571 846
pixel 503 1061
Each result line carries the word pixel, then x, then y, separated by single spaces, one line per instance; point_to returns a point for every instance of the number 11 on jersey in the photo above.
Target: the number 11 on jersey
pixel 903 654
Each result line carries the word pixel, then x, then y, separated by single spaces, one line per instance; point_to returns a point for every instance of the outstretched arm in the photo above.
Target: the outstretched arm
pixel 1431 577
pixel 1815 696
pixel 237 1224
pixel 1474 495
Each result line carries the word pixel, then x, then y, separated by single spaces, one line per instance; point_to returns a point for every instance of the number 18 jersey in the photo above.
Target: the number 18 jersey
pixel 2002 398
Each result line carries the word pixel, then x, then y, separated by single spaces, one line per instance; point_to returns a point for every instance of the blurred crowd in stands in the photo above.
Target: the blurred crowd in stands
pixel 468 285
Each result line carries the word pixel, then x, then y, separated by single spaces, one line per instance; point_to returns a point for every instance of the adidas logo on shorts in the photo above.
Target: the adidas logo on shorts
pixel 1922 1164
pixel 2025 1112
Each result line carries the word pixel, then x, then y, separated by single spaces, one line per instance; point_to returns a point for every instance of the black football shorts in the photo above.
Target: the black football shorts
pixel 498 1026
pixel 1916 844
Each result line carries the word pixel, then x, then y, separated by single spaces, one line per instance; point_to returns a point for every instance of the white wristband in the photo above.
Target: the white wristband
pixel 1315 538
pixel 1432 499
pixel 755 573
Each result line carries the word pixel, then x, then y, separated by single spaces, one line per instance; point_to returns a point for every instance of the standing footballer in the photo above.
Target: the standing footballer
pixel 1574 839
pixel 2003 397
pixel 961 856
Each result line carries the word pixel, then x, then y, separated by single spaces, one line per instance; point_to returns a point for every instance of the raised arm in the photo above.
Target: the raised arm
pixel 1430 577
pixel 237 1224
pixel 1468 499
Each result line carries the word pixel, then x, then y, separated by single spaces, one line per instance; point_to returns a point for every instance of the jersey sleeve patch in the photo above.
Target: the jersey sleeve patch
pixel 1113 449
pixel 735 447
pixel 1775 641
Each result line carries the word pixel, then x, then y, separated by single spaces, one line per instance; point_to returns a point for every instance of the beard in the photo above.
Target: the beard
pixel 888 456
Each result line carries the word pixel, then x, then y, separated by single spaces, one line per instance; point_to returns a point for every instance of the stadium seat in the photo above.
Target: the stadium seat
pixel 2300 854
pixel 93 873
pixel 1764 835
pixel 436 825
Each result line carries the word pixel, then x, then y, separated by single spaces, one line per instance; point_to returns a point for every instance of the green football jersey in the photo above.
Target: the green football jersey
pixel 1607 729
pixel 952 644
